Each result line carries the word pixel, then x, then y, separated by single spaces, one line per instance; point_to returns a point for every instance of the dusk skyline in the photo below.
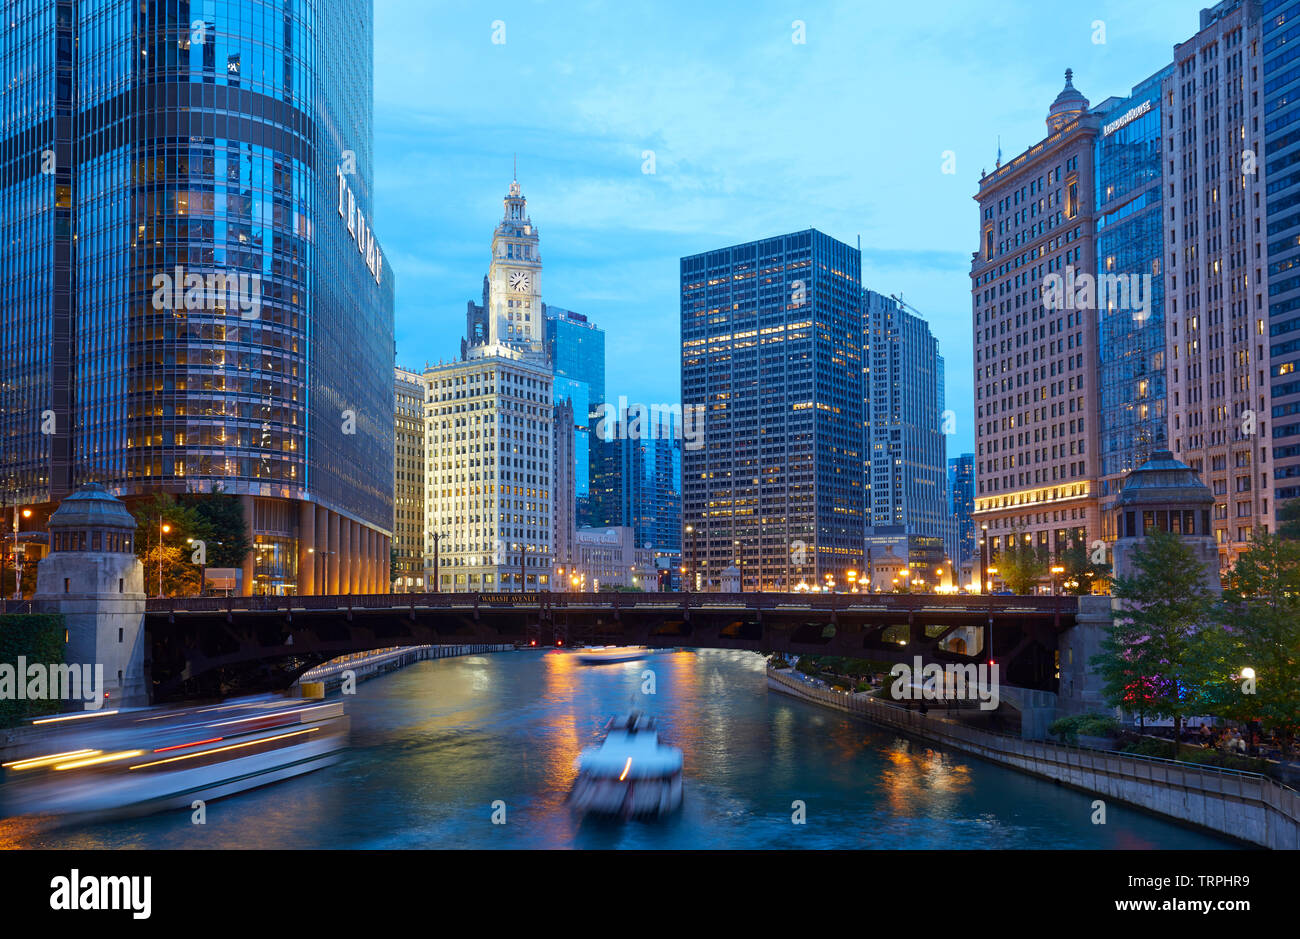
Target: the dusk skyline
pixel 612 236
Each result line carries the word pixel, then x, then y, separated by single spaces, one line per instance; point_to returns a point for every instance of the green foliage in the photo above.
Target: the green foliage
pixel 1090 725
pixel 1288 520
pixel 180 577
pixel 1151 661
pixel 39 638
pixel 1080 572
pixel 216 519
pixel 220 524
pixel 1021 566
pixel 1150 746
pixel 1258 627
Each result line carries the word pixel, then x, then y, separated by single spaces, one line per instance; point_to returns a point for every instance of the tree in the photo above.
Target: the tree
pixel 1259 628
pixel 1288 520
pixel 1021 565
pixel 179 575
pixel 1150 662
pixel 221 526
pixel 1080 573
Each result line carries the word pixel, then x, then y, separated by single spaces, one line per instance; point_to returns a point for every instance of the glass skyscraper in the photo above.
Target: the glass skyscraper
pixel 194 296
pixel 772 350
pixel 961 504
pixel 1280 172
pixel 642 454
pixel 1127 177
pixel 576 349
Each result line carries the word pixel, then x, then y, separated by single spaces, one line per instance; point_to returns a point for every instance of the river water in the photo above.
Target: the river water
pixel 436 744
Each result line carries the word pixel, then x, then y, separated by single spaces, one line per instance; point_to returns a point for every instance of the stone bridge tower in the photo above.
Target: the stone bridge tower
pixel 93 578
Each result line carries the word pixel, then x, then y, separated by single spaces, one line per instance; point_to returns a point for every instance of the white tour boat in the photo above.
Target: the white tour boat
pixel 603 655
pixel 631 773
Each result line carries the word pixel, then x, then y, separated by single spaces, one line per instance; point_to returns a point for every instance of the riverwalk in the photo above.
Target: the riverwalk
pixel 1248 807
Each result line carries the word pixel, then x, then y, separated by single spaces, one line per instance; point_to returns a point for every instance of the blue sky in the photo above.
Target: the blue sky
pixel 753 136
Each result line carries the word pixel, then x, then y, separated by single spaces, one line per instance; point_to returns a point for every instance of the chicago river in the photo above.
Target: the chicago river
pixel 442 747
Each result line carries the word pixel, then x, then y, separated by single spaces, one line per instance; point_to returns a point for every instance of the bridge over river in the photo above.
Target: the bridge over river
pixel 222 645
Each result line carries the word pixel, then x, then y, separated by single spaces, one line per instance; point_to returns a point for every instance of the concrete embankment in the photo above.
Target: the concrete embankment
pixel 363 665
pixel 1244 806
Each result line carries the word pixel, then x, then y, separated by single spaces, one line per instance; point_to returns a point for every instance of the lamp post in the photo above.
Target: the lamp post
pixel 739 559
pixel 852 576
pixel 984 559
pixel 435 561
pixel 690 530
pixel 1057 570
pixel 162 530
pixel 18 556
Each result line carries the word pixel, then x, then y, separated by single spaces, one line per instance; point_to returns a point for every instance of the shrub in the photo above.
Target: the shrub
pixel 38 637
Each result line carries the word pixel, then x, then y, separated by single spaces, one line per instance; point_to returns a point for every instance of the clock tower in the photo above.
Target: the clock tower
pixel 514 280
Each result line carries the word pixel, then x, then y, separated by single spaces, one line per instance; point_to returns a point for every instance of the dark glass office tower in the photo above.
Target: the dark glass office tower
pixel 961 504
pixel 772 349
pixel 193 293
pixel 1279 170
pixel 576 348
pixel 642 450
pixel 1128 180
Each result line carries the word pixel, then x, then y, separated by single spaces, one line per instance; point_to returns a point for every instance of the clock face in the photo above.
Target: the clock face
pixel 519 281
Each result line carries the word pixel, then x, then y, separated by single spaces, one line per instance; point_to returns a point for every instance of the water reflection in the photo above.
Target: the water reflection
pixel 437 743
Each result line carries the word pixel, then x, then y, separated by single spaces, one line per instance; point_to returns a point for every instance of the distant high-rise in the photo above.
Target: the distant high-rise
pixel 642 451
pixel 771 336
pixel 961 505
pixel 194 294
pixel 904 447
pixel 563 506
pixel 1281 102
pixel 576 348
pixel 408 482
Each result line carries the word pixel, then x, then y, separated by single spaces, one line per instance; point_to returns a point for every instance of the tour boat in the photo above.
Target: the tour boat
pixel 140 762
pixel 631 773
pixel 602 655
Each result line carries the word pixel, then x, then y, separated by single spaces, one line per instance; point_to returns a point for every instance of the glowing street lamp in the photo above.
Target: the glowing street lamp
pixel 162 530
pixel 1057 570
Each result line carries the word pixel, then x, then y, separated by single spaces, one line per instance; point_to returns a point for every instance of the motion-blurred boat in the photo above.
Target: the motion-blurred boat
pixel 147 761
pixel 631 773
pixel 602 655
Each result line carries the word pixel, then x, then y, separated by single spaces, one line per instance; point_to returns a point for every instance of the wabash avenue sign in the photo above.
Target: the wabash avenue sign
pixel 361 233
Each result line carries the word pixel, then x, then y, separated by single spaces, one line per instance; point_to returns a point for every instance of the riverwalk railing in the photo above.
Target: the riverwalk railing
pixel 395 658
pixel 1141 780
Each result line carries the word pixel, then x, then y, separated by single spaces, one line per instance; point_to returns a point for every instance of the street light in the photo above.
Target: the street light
pixel 984 558
pixel 162 530
pixel 1057 570
pixel 852 575
pixel 18 557
pixel 690 530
